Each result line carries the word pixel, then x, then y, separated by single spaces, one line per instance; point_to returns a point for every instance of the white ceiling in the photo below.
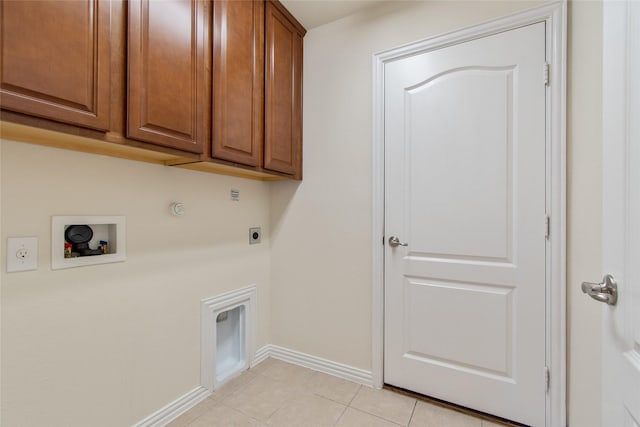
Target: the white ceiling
pixel 313 13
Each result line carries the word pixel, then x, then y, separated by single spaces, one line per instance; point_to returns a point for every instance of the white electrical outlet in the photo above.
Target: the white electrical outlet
pixel 22 254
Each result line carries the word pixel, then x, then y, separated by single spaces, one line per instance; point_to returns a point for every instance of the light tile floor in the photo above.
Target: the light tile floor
pixel 280 394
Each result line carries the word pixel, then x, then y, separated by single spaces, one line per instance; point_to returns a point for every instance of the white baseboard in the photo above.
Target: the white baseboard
pixel 316 363
pixel 261 355
pixel 173 410
pixel 181 405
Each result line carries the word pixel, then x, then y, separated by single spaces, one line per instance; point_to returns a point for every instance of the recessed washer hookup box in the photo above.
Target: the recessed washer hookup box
pixel 78 241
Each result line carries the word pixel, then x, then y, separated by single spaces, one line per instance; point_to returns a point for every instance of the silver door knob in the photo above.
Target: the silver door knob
pixel 394 242
pixel 606 292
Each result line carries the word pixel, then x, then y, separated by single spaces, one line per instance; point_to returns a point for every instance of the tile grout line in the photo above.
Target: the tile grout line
pixel 348 404
pixel 329 399
pixel 238 390
pixel 303 386
pixel 199 416
pixel 316 394
pixel 452 407
pixel 354 395
pixel 306 382
pixel 378 417
pixel 381 416
pixel 240 412
pixel 413 411
pixel 241 389
pixel 289 399
pixel 340 417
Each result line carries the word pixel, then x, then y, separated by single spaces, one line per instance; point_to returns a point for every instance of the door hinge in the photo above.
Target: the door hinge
pixel 545 74
pixel 547 378
pixel 547 227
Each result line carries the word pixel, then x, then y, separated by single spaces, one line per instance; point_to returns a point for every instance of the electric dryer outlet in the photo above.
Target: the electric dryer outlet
pixel 255 235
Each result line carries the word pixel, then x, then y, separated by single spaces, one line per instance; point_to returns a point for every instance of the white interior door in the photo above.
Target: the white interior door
pixel 465 190
pixel 621 212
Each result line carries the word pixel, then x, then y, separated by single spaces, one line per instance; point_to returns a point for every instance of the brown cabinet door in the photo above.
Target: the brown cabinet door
pixel 283 91
pixel 238 81
pixel 168 92
pixel 54 60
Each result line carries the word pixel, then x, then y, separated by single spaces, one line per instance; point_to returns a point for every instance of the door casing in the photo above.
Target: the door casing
pixel 554 15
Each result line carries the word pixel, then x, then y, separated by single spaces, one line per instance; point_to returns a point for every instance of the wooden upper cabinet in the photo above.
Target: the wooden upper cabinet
pixel 167 81
pixel 238 81
pixel 207 82
pixel 283 91
pixel 55 60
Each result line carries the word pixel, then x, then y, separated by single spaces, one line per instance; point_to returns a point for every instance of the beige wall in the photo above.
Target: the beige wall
pixel 108 345
pixel 321 278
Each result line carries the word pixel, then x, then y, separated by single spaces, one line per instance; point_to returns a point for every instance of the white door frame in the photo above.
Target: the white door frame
pixel 554 15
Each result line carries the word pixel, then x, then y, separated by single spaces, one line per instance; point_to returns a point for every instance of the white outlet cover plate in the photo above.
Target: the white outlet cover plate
pixel 16 245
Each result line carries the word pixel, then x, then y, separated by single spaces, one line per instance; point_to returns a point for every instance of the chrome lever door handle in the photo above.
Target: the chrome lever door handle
pixel 606 292
pixel 395 242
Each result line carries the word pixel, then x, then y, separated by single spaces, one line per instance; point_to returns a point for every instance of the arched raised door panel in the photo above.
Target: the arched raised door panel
pixel 483 111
